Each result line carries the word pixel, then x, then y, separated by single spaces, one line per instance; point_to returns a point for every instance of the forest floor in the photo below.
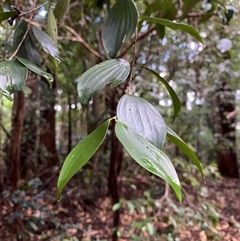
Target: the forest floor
pixel 210 211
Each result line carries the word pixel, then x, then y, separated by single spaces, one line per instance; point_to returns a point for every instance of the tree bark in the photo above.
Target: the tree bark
pixel 115 167
pixel 47 137
pixel 226 134
pixel 17 125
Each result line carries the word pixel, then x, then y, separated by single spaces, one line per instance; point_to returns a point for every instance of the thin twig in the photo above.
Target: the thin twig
pixel 133 61
pixel 81 40
pixel 34 9
pixel 21 42
pixel 140 37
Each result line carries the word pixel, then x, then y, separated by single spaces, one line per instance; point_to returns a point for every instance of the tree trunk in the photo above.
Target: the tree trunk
pixel 47 137
pixel 115 167
pixel 17 126
pixel 226 134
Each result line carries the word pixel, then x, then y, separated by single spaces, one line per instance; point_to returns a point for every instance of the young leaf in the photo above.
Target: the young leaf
pixel 174 26
pixel 172 136
pixel 148 156
pixel 34 68
pixel 46 42
pixel 28 49
pixel 12 77
pixel 52 29
pixel 119 26
pixel 61 8
pixel 175 99
pixel 6 15
pixel 113 71
pixel 143 118
pixel 80 154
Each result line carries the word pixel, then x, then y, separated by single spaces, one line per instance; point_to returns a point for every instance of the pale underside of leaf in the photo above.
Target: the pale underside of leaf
pixel 143 118
pixel 12 77
pixel 113 72
pixel 46 42
pixel 148 156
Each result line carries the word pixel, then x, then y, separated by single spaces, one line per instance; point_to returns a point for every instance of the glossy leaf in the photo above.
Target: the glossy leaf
pixel 46 42
pixel 52 29
pixel 148 156
pixel 175 99
pixel 172 136
pixel 34 68
pixel 174 26
pixel 143 118
pixel 113 72
pixel 80 154
pixel 119 26
pixel 12 77
pixel 6 15
pixel 28 49
pixel 61 8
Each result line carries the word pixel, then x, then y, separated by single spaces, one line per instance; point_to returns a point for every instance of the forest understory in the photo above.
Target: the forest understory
pixel 149 211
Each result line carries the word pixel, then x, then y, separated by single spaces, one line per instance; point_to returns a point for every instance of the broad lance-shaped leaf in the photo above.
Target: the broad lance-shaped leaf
pixel 143 118
pixel 28 49
pixel 52 29
pixel 148 156
pixel 119 26
pixel 34 68
pixel 172 136
pixel 61 8
pixel 80 154
pixel 12 77
pixel 46 42
pixel 175 99
pixel 113 71
pixel 6 15
pixel 174 26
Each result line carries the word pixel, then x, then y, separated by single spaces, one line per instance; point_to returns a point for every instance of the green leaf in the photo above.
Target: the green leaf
pixel 188 5
pixel 172 136
pixel 160 30
pixel 28 49
pixel 46 42
pixel 116 206
pixel 148 156
pixel 150 229
pixel 1 10
pixel 6 15
pixel 143 118
pixel 119 26
pixel 174 26
pixel 80 154
pixel 61 8
pixel 12 77
pixel 52 29
pixel 175 99
pixel 34 68
pixel 113 71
